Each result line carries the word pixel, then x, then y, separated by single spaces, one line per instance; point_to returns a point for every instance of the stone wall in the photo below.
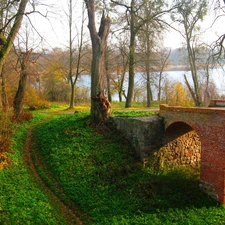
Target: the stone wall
pixel 182 150
pixel 145 134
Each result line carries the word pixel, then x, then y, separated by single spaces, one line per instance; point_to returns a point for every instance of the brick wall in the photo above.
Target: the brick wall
pixel 209 124
pixel 193 135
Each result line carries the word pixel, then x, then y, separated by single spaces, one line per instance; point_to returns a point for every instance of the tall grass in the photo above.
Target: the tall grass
pixel 99 173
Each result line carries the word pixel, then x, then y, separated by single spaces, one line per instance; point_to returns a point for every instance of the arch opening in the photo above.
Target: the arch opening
pixel 182 146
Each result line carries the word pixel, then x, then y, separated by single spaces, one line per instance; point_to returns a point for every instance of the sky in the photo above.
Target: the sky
pixel 54 30
pixel 210 31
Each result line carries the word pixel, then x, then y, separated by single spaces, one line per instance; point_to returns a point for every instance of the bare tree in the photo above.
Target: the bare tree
pixel 163 62
pixel 188 14
pixel 150 41
pixel 5 104
pixel 100 106
pixel 136 20
pixel 108 76
pixel 74 67
pixel 123 64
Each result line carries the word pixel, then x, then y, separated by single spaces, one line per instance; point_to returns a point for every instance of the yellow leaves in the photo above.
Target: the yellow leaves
pixel 178 95
pixel 34 101
pixel 55 70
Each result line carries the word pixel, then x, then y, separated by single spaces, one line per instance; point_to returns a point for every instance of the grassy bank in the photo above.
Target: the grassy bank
pixel 99 173
pixel 22 201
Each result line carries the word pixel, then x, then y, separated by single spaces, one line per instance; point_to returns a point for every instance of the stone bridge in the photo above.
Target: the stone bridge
pixel 209 124
pixel 183 136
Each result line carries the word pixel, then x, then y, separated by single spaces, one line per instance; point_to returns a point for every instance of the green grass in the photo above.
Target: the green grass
pixel 100 174
pixel 117 107
pixel 133 113
pixel 135 106
pixel 21 199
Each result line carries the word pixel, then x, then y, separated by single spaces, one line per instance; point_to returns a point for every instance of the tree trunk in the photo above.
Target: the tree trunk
pixel 149 91
pixel 13 32
pixel 163 65
pixel 100 106
pixel 190 89
pixel 147 66
pixel 73 79
pixel 130 92
pixel 72 95
pixel 206 92
pixel 160 87
pixel 108 87
pixel 4 99
pixel 189 13
pixel 108 78
pixel 6 46
pixel 18 100
pixel 191 56
pixel 121 89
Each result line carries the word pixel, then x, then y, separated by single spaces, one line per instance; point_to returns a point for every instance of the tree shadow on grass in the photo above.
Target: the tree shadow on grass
pixel 179 189
pixel 163 198
pixel 150 193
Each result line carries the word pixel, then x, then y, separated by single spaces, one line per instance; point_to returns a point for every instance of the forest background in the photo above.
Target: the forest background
pixel 54 45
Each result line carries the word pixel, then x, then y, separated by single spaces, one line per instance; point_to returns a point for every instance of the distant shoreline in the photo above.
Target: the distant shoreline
pixel 177 68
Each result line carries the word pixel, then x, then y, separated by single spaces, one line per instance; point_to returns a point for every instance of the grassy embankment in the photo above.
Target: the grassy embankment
pixel 22 201
pixel 100 174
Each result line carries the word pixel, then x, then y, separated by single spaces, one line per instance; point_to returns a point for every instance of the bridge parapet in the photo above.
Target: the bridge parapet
pixel 217 103
pixel 166 108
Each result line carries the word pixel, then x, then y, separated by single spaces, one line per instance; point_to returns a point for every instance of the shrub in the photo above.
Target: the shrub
pixel 34 101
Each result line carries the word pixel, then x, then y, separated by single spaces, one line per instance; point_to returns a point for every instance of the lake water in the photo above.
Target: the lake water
pixel 216 75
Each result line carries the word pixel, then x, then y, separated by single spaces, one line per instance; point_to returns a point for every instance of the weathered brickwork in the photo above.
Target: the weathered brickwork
pixel 209 124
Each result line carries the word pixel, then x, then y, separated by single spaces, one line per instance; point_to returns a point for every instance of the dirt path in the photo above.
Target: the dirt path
pixel 67 212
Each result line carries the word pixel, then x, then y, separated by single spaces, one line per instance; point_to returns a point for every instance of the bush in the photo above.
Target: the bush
pixel 34 101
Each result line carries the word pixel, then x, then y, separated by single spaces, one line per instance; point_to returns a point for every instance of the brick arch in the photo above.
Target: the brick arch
pixel 184 122
pixel 178 128
pixel 209 123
